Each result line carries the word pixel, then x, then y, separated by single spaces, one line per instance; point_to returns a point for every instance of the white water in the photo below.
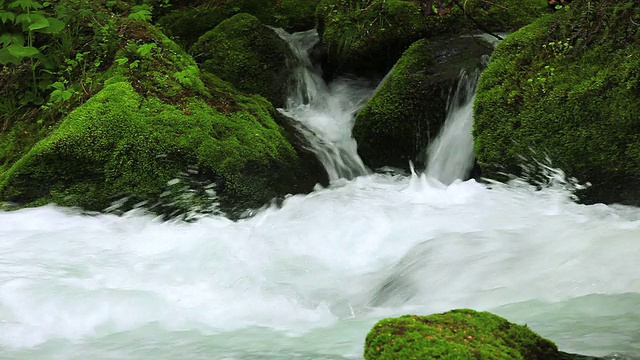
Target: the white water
pixel 450 155
pixel 309 280
pixel 326 112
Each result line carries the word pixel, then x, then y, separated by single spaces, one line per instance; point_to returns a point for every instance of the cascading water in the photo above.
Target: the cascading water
pixel 450 155
pixel 307 280
pixel 325 112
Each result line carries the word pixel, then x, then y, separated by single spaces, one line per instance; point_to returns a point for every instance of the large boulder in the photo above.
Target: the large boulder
pixel 409 107
pixel 194 18
pixel 157 122
pixel 568 88
pixel 367 37
pixel 249 55
pixel 457 334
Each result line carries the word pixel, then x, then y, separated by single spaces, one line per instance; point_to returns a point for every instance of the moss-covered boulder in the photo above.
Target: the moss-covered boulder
pixel 252 57
pixel 457 334
pixel 410 106
pixel 567 87
pixel 187 23
pixel 366 37
pixel 158 119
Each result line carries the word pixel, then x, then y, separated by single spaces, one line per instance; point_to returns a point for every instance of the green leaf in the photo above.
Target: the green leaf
pixel 58 85
pixel 6 57
pixel 7 16
pixel 55 26
pixel 7 39
pixel 25 5
pixel 39 22
pixel 22 51
pixel 145 50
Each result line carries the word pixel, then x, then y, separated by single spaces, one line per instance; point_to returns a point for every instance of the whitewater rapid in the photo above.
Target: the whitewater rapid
pixel 309 279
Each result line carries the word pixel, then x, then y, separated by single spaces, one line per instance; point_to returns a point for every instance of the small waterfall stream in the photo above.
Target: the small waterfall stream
pixel 325 112
pixel 450 155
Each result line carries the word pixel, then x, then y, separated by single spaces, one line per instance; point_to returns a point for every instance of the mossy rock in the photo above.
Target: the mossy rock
pixel 186 24
pixel 567 87
pixel 159 118
pixel 252 57
pixel 410 106
pixel 366 37
pixel 457 334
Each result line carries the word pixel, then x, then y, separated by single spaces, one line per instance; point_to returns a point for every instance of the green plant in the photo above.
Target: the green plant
pixel 60 93
pixel 22 20
pixel 141 12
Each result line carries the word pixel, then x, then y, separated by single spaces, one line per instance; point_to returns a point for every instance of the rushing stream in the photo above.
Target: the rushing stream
pixel 307 280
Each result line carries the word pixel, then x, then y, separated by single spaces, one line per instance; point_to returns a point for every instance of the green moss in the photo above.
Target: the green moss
pixel 568 90
pixel 157 117
pixel 185 25
pixel 457 334
pixel 368 36
pixel 120 143
pixel 247 54
pixel 409 108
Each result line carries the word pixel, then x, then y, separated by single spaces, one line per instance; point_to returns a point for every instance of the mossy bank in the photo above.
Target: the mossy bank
pixel 158 118
pixel 568 88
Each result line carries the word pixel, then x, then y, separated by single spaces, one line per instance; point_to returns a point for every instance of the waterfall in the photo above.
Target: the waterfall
pixel 325 112
pixel 450 156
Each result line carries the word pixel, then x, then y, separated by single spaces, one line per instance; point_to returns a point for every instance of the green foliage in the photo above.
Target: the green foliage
pixel 141 12
pixel 247 54
pixel 457 334
pixel 583 115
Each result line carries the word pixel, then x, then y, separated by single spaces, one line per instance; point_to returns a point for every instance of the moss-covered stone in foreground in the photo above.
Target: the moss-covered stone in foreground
pixel 456 335
pixel 250 56
pixel 567 87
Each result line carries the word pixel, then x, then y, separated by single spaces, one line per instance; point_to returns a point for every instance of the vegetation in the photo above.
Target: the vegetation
pixel 368 36
pixel 250 56
pixel 457 334
pixel 130 116
pixel 567 87
pixel 187 23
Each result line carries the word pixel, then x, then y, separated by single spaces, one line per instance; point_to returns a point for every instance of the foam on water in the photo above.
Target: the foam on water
pixel 309 279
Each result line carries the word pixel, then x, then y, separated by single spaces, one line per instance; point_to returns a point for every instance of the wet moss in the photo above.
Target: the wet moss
pixel 410 106
pixel 185 25
pixel 566 87
pixel 158 118
pixel 457 334
pixel 247 54
pixel 368 36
